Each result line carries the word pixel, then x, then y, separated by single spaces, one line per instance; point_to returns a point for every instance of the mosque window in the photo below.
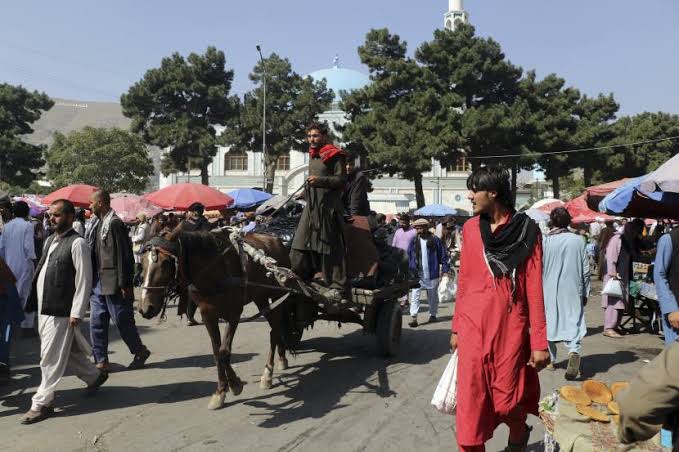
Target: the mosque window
pixel 236 161
pixel 283 162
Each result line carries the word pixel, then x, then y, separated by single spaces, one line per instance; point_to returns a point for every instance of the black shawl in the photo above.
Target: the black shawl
pixel 510 248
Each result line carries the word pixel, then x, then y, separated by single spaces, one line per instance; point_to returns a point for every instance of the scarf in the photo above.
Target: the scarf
pixel 510 248
pixel 106 223
pixel 326 152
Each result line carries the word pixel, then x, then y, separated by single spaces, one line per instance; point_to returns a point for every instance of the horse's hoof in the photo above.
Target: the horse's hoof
pixel 282 364
pixel 237 388
pixel 265 383
pixel 216 401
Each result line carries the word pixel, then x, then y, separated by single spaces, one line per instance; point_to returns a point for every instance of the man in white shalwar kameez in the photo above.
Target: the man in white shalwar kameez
pixel 62 343
pixel 17 249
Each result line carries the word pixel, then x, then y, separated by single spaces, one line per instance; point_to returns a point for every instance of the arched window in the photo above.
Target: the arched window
pixel 235 161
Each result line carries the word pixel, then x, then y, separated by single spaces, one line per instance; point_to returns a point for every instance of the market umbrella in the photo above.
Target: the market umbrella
pixel 537 215
pixel 246 198
pixel 631 201
pixel 128 206
pixel 181 196
pixel 35 206
pixel 78 194
pixel 665 178
pixel 435 210
pixel 547 204
pixel 581 213
pixel 596 193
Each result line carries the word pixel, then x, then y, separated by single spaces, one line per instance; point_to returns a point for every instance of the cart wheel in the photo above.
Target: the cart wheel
pixel 389 321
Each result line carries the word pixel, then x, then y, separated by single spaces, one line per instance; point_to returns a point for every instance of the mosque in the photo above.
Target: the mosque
pixel 230 169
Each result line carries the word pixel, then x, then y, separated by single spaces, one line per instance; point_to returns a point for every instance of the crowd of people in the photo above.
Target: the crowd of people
pixel 521 290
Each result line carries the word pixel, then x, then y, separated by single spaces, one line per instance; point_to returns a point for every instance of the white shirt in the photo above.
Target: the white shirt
pixel 80 253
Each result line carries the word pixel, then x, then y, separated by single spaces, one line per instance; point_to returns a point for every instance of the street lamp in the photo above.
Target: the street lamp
pixel 261 58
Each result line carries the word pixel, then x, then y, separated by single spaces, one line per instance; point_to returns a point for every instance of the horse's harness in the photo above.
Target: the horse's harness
pixel 159 245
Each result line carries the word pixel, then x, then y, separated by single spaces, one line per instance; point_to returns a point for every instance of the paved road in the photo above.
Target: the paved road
pixel 336 396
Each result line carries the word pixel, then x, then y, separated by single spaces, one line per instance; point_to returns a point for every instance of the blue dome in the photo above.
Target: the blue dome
pixel 340 79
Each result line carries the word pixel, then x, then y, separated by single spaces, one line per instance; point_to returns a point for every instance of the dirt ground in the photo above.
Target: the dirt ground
pixel 337 395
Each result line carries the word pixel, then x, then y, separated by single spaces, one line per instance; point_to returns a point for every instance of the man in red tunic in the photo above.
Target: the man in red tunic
pixel 499 323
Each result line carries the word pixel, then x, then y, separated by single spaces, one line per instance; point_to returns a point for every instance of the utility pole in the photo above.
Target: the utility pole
pixel 261 58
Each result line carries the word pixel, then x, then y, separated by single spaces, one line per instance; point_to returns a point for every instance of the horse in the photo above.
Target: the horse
pixel 209 268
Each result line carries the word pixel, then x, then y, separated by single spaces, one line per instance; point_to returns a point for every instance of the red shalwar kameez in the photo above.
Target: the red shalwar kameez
pixel 496 333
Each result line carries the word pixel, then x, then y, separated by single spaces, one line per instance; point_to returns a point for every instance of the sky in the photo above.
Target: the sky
pixel 93 51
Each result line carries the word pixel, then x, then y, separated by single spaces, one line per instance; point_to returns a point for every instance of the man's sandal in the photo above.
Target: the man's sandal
pixel 31 417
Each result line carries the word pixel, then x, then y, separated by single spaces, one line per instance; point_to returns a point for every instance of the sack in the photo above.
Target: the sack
pixel 613 288
pixel 447 289
pixel 445 396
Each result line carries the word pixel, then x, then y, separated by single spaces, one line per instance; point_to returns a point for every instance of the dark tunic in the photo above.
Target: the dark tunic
pixel 318 245
pixel 355 198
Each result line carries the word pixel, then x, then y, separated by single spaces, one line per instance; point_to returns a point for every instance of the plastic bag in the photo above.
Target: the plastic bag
pixel 445 396
pixel 447 289
pixel 613 288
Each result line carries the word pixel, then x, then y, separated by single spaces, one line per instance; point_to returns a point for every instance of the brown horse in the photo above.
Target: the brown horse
pixel 221 283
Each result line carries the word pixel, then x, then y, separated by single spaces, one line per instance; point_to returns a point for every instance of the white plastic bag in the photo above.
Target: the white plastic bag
pixel 613 288
pixel 447 289
pixel 445 396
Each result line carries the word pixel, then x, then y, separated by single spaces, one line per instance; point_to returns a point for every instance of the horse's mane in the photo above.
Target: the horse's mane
pixel 202 243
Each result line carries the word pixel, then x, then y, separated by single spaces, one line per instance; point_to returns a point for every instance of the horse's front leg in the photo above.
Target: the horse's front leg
pixel 235 383
pixel 211 321
pixel 266 382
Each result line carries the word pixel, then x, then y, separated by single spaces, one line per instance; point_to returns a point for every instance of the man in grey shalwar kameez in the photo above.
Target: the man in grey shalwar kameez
pixel 566 286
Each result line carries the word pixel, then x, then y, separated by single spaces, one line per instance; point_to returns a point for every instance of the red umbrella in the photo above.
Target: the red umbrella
pixel 128 206
pixel 181 196
pixel 581 213
pixel 78 194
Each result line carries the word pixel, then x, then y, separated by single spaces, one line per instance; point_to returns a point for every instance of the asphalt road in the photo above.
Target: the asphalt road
pixel 337 395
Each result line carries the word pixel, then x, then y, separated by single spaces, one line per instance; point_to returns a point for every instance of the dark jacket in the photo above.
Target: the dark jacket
pixel 113 258
pixel 436 256
pixel 355 198
pixel 194 226
pixel 59 286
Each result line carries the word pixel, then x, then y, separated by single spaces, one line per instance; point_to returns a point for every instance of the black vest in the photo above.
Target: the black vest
pixel 59 287
pixel 673 271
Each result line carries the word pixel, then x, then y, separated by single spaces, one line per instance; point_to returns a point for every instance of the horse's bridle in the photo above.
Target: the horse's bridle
pixel 170 291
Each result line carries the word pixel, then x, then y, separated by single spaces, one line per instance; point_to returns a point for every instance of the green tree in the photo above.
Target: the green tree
pixel 594 128
pixel 113 159
pixel 19 108
pixel 178 105
pixel 550 123
pixel 493 115
pixel 637 160
pixel 400 121
pixel 292 102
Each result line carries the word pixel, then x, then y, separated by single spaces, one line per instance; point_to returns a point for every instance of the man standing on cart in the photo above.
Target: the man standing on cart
pixel 318 252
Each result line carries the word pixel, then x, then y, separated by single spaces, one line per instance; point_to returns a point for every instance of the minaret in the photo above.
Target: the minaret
pixel 455 15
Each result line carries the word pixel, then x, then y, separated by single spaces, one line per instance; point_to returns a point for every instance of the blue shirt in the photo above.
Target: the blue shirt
pixel 666 299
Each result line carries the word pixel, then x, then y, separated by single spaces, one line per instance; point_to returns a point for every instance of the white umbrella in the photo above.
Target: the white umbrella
pixel 665 178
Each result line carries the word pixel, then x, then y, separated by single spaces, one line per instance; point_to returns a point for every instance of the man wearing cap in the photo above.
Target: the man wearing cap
pixel 17 248
pixel 428 259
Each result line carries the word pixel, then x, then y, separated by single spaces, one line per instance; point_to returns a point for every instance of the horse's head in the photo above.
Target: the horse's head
pixel 160 264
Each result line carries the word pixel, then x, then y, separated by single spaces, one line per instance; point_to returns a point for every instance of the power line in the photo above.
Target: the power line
pixel 571 151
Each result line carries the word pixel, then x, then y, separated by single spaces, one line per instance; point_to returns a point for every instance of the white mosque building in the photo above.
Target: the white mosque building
pixel 230 170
